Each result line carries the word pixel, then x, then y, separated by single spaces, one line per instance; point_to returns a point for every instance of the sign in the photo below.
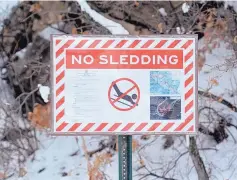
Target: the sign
pixel 124 85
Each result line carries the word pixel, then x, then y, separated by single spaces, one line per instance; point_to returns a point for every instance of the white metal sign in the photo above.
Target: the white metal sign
pixel 124 85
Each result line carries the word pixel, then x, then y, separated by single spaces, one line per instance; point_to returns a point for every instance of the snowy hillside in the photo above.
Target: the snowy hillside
pixel 154 157
pixel 56 160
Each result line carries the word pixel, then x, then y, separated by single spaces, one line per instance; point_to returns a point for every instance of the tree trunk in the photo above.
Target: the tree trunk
pixel 197 160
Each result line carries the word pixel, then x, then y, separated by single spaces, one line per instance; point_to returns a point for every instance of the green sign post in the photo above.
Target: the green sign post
pixel 125 157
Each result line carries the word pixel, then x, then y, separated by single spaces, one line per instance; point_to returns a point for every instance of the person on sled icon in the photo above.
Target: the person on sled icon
pixel 128 98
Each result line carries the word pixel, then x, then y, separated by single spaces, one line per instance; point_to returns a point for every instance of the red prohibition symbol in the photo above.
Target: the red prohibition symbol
pixel 130 101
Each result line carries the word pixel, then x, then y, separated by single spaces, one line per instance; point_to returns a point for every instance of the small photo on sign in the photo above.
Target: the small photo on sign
pixel 165 108
pixel 165 82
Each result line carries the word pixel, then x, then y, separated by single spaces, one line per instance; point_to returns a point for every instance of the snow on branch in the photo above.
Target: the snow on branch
pixel 44 92
pixel 113 27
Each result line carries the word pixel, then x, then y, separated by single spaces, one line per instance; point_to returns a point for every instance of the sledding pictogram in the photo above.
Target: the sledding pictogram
pixel 124 94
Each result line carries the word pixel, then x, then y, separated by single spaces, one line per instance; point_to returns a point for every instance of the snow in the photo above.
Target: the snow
pixel 180 30
pixel 113 27
pixel 5 8
pixel 48 31
pixel 222 162
pixel 185 7
pixel 162 11
pixel 55 158
pixel 217 68
pixel 231 3
pixel 4 71
pixel 175 162
pixel 44 92
pixel 54 154
pixel 21 53
pixel 220 159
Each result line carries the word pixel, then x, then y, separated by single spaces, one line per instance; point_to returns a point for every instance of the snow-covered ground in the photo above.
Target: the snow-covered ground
pixel 54 158
pixel 63 158
pixel 5 8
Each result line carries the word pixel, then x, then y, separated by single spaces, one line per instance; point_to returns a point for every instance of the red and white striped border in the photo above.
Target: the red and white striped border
pixel 188 126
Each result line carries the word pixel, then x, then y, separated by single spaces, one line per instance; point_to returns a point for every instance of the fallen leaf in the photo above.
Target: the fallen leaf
pixel 22 172
pixel 213 81
pixel 74 30
pixel 107 158
pixel 5 30
pixel 49 12
pixel 136 3
pixel 201 61
pixel 60 17
pixel 40 117
pixel 2 175
pixel 160 27
pixel 209 18
pixel 221 26
pixel 135 145
pixel 86 33
pixel 97 162
pixel 220 99
pixel 235 39
pixel 35 8
pixel 142 163
pixel 210 24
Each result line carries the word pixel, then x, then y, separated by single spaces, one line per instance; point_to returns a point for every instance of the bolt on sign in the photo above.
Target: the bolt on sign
pixel 124 84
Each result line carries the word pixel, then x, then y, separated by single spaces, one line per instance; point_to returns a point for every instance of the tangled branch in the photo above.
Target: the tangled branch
pixel 218 98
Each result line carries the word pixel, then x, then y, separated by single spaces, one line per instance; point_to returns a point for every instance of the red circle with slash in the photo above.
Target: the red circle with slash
pixel 135 86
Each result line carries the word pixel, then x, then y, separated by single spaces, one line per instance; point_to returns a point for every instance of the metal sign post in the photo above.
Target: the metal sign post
pixel 125 157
